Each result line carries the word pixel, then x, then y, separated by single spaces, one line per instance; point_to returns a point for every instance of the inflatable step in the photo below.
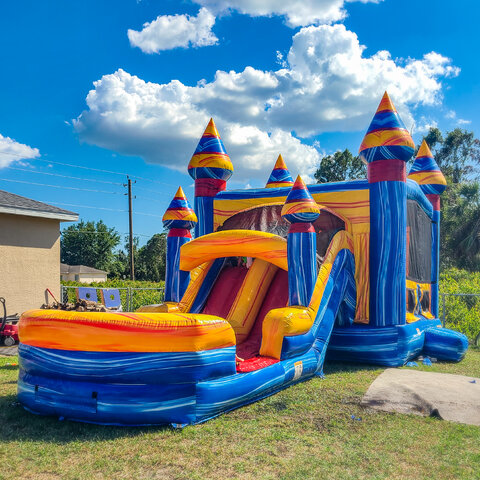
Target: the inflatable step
pixel 445 344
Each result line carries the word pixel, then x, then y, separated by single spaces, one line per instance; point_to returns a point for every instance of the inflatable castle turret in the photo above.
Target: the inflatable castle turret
pixel 301 210
pixel 386 148
pixel 280 176
pixel 266 298
pixel 210 167
pixel 427 174
pixel 179 219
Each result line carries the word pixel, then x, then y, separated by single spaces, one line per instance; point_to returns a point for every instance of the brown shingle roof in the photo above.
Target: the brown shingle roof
pixel 18 205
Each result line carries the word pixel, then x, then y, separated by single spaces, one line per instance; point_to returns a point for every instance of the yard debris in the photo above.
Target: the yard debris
pixel 78 306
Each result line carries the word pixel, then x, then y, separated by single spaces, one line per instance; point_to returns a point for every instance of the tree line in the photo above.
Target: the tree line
pixel 95 245
pixel 456 152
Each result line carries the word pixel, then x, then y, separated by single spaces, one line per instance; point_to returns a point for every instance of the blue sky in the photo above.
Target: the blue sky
pixel 301 78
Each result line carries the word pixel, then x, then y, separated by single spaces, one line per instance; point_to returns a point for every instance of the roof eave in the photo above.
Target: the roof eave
pixel 63 217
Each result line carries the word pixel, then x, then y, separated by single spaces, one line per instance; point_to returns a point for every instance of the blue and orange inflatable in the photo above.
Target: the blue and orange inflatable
pixel 275 280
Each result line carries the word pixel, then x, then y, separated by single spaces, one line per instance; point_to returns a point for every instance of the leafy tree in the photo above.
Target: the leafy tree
pixel 340 166
pixel 120 267
pixel 89 243
pixel 121 264
pixel 151 259
pixel 458 156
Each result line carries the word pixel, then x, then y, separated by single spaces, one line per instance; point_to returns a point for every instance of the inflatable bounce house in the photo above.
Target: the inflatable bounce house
pixel 275 279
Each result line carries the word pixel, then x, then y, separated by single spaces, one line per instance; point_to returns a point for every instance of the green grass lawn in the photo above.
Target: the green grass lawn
pixel 303 432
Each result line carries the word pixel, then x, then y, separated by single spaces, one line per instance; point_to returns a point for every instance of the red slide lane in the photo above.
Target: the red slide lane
pixel 276 297
pixel 224 291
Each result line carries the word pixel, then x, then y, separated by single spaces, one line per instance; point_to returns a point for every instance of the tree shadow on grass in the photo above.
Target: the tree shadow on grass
pixel 19 425
pixel 12 367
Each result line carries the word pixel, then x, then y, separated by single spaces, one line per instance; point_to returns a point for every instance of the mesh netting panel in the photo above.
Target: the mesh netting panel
pixel 268 218
pixel 419 244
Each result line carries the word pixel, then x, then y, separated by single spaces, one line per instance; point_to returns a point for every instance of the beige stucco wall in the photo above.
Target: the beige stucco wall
pixel 29 260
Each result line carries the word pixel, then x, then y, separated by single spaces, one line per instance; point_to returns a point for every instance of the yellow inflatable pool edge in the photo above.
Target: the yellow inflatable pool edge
pixel 124 332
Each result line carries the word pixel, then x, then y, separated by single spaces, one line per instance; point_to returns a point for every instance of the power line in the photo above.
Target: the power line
pixel 102 171
pixel 100 233
pixel 63 176
pixel 60 186
pixel 86 206
pixel 86 180
pixel 91 180
pixel 88 168
pixel 103 208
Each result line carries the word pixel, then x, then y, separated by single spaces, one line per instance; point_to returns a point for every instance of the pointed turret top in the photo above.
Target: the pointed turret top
pixel 280 176
pixel 210 159
pixel 386 138
pixel 386 104
pixel 300 205
pixel 179 213
pixel 426 172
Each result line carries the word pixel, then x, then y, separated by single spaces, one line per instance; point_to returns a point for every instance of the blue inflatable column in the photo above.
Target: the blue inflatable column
pixel 301 210
pixel 210 167
pixel 435 254
pixel 427 174
pixel 386 148
pixel 178 219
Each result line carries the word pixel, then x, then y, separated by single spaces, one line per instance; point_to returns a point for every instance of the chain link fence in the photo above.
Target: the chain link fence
pixel 131 298
pixel 461 311
pixel 458 311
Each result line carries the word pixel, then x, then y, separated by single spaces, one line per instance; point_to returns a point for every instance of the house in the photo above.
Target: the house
pixel 81 273
pixel 29 250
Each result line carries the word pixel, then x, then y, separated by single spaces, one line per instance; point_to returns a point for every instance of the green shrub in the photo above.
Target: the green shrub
pixel 462 313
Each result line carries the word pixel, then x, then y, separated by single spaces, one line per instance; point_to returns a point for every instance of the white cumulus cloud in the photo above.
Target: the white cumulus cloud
pixel 163 123
pixel 172 31
pixel 326 83
pixel 12 151
pixel 296 12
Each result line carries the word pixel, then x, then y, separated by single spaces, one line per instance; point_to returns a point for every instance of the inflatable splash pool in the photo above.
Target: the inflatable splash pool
pixel 276 279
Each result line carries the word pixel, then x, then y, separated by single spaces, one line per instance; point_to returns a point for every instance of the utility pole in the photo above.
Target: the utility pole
pixel 130 227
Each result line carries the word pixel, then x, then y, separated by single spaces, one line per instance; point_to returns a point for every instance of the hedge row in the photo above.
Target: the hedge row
pixel 462 313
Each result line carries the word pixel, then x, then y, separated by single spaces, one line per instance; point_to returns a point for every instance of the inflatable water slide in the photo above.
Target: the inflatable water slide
pixel 275 280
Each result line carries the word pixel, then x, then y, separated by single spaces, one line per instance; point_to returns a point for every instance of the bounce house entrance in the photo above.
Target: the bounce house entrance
pixel 243 295
pixel 244 292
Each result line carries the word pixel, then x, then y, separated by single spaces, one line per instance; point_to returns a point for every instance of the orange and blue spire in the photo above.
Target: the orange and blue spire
pixel 179 213
pixel 386 137
pixel 301 210
pixel 210 159
pixel 210 167
pixel 280 176
pixel 426 172
pixel 178 219
pixel 386 148
pixel 300 207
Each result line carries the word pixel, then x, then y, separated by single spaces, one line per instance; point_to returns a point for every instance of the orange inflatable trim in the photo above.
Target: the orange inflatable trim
pixel 232 243
pixel 124 332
